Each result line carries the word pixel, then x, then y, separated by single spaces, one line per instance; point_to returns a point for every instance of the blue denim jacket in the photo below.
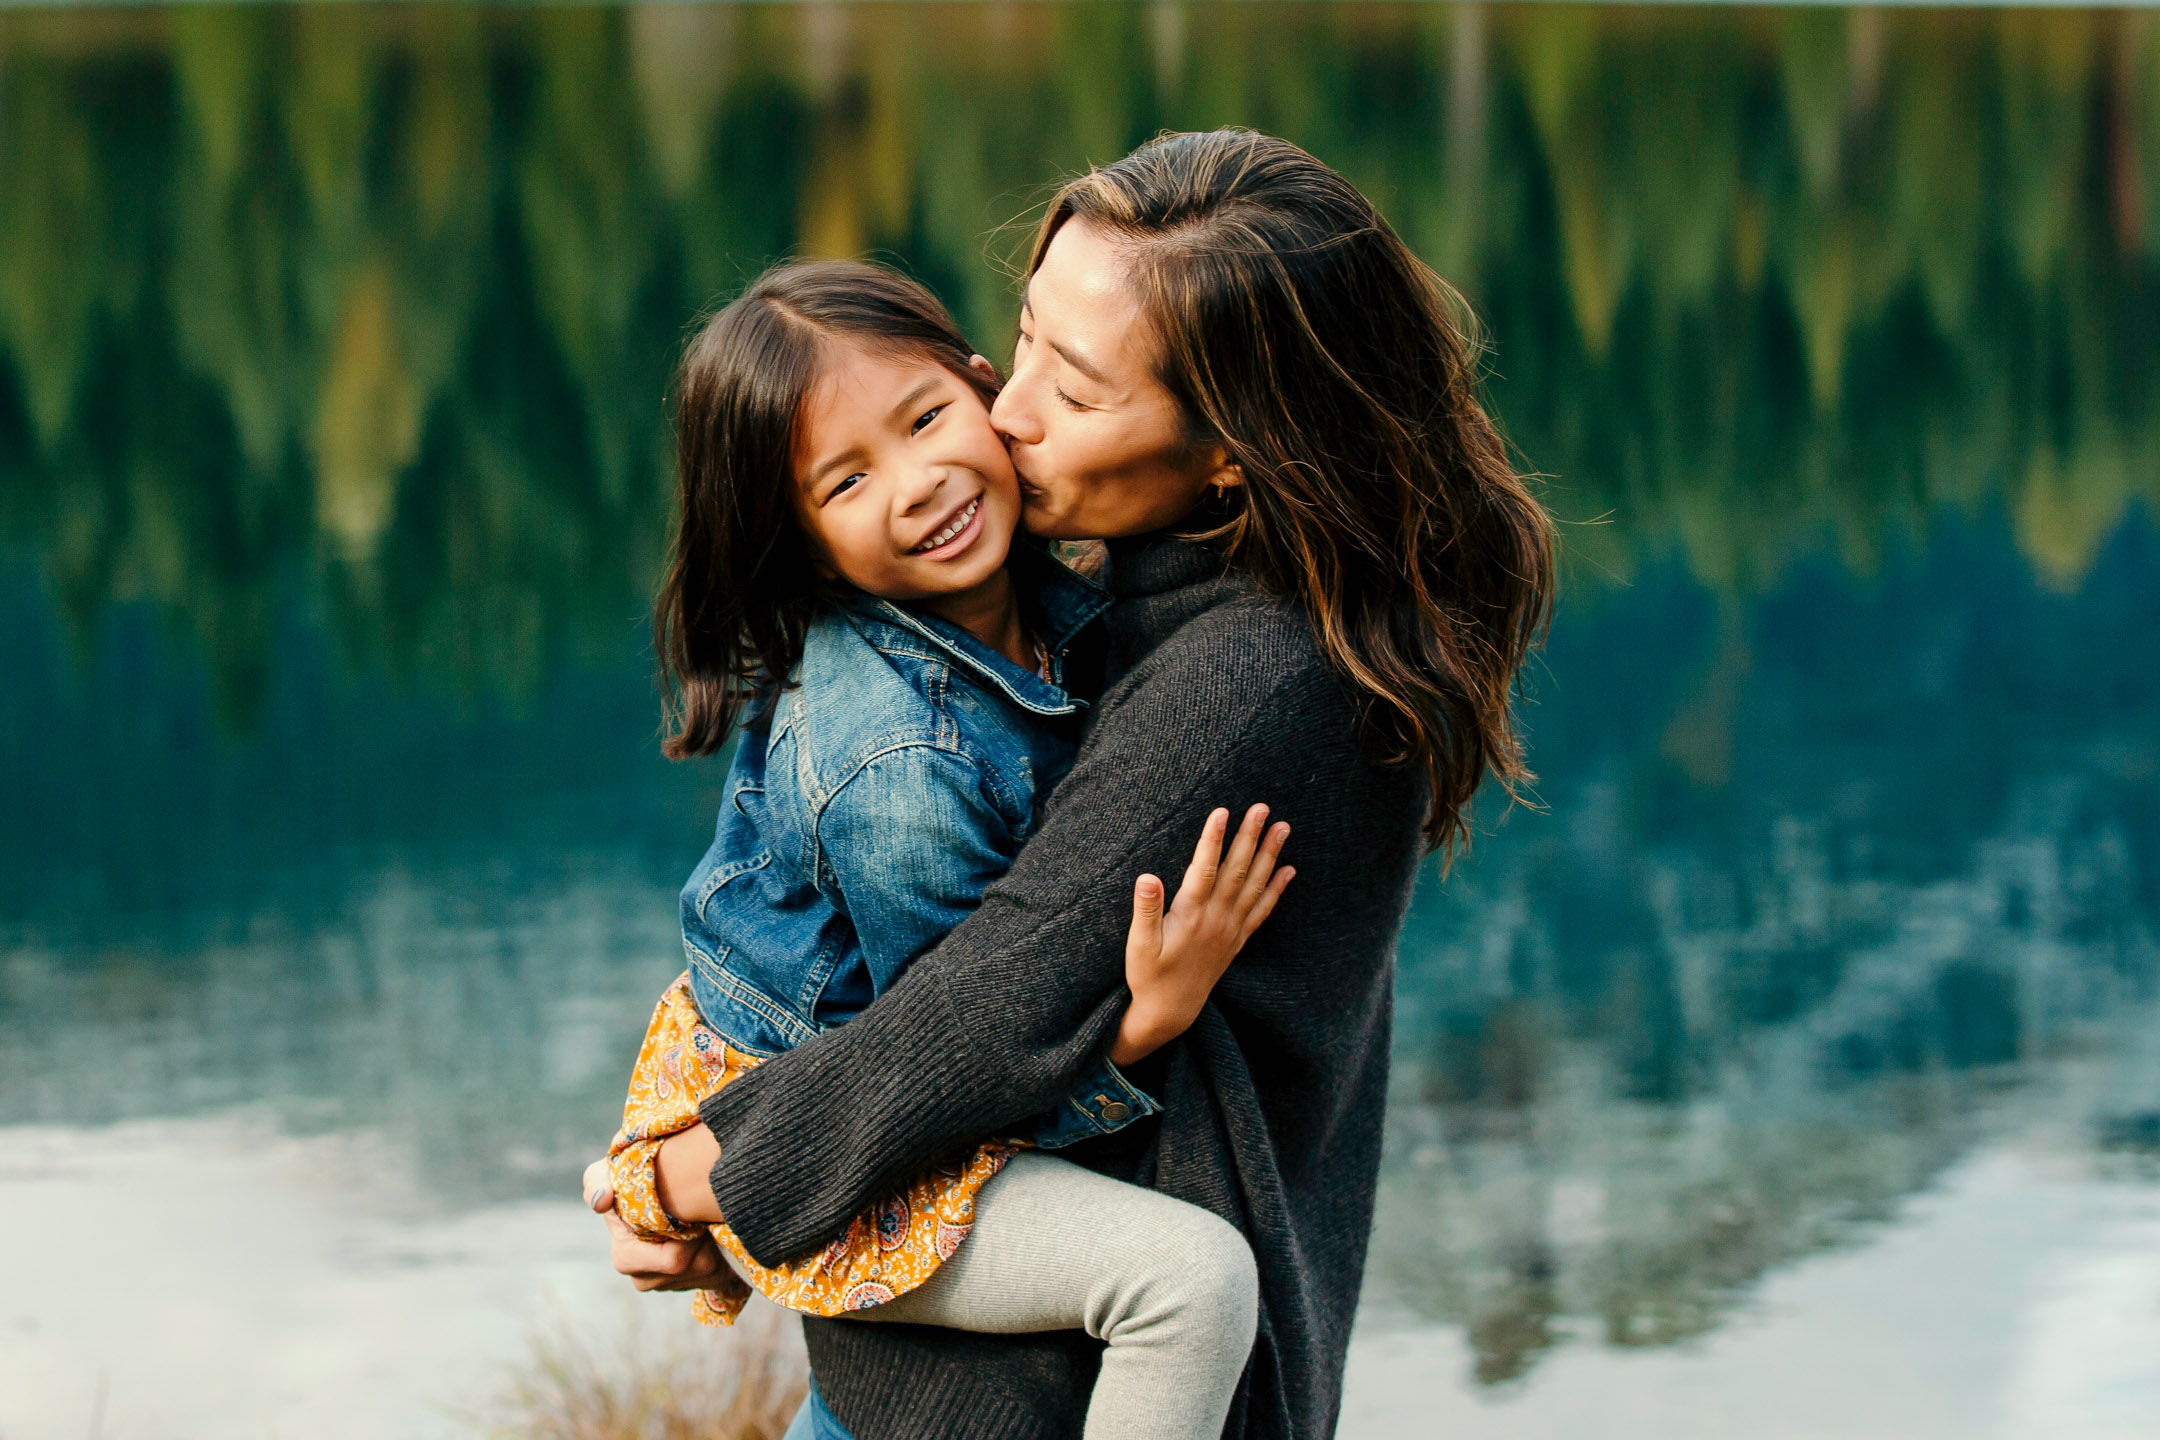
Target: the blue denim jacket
pixel 869 807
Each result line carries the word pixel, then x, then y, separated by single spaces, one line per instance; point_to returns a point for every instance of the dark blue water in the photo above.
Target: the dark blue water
pixel 1789 1066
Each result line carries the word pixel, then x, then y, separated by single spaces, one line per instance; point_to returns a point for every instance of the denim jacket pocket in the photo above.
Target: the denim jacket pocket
pixel 719 875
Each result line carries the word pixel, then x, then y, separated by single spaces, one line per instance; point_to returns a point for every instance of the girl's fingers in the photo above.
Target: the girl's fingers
pixel 1238 864
pixel 1145 936
pixel 1263 866
pixel 1207 857
pixel 1265 906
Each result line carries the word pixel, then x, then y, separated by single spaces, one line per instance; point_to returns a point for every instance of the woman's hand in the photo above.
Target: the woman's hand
pixel 682 1176
pixel 663 1264
pixel 651 1264
pixel 1172 962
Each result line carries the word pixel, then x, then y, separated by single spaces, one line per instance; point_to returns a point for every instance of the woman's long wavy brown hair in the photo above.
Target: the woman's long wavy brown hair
pixel 1340 373
pixel 742 583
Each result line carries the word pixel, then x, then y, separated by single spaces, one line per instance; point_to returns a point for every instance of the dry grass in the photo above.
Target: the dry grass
pixel 656 1376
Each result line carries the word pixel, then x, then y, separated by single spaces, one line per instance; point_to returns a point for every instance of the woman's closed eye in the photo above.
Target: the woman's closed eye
pixel 1066 400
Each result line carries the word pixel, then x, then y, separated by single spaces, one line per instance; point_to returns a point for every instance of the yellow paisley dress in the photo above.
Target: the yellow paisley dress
pixel 887 1251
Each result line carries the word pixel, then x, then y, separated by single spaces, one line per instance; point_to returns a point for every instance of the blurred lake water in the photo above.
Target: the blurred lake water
pixel 1794 1070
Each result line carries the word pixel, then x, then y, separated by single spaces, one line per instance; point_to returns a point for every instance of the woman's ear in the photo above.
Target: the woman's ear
pixel 1227 474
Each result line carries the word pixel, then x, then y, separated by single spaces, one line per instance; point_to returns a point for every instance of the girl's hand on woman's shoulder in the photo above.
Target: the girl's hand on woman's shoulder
pixel 1173 960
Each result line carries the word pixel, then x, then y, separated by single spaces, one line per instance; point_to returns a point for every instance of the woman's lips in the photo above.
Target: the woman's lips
pixel 959 529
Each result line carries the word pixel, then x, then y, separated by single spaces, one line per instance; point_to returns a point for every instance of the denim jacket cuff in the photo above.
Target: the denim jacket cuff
pixel 1104 1102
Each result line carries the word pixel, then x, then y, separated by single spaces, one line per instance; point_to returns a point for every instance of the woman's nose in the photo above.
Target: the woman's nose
pixel 1012 416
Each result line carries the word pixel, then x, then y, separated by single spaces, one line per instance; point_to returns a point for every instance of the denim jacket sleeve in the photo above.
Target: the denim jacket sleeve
pixel 910 841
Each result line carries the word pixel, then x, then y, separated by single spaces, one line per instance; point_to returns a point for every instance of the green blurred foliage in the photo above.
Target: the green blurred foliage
pixel 376 306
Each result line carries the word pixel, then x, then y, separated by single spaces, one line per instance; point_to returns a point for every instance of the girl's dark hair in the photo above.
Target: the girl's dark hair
pixel 1338 372
pixel 742 583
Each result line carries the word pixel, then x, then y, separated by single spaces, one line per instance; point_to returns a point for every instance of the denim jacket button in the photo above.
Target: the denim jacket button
pixel 1115 1111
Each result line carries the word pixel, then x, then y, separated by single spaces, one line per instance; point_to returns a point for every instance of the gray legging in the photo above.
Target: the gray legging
pixel 1169 1288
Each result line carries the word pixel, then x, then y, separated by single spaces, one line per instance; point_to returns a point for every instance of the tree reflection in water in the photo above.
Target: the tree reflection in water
pixel 332 350
pixel 1676 1032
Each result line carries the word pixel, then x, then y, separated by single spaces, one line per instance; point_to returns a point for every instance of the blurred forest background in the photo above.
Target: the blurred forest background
pixel 334 349
pixel 390 295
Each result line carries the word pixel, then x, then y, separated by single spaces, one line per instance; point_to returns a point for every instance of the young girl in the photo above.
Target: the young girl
pixel 846 584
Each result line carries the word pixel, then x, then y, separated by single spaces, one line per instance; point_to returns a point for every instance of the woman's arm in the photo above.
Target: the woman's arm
pixel 999 1019
pixel 1172 962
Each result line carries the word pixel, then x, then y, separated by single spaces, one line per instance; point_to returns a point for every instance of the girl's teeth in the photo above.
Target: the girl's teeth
pixel 951 530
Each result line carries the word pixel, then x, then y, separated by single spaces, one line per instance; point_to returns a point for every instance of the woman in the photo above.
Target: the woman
pixel 1326 578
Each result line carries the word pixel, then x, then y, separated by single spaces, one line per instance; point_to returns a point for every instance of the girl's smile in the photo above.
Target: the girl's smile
pixel 904 489
pixel 957 533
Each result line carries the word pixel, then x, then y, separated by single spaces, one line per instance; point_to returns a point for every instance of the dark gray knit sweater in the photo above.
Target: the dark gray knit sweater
pixel 1272 1102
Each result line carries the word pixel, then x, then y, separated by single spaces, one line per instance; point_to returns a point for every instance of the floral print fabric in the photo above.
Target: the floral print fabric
pixel 886 1252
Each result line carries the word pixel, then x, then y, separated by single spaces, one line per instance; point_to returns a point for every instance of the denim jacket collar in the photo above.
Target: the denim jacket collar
pixel 1058 605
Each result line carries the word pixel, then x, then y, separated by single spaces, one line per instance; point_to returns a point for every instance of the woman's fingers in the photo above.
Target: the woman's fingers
pixel 661 1264
pixel 599 1186
pixel 1199 879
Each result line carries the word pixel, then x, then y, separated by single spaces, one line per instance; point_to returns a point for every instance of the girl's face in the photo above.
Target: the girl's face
pixel 1096 438
pixel 905 490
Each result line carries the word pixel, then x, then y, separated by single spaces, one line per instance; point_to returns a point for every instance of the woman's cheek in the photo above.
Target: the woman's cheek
pixel 1040 518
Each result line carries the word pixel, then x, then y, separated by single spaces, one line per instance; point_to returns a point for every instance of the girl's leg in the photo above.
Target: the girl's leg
pixel 1170 1288
pixel 679 1064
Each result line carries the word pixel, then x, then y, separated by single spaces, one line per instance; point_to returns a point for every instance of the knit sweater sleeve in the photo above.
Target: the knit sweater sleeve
pixel 1001 1018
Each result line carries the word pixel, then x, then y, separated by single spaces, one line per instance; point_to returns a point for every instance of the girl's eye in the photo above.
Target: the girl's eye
pixel 1066 400
pixel 843 487
pixel 924 419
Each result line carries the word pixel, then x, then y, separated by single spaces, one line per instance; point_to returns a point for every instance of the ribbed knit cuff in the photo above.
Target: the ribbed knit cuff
pixel 796 1162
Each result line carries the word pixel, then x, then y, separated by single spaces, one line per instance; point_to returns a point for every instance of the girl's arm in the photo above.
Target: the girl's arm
pixel 1173 962
pixel 998 1020
pixel 909 842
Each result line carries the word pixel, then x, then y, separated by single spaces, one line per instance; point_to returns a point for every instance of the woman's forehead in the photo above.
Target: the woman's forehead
pixel 1082 296
pixel 1085 269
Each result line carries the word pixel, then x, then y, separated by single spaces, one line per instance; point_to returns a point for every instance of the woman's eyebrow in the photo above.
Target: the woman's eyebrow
pixel 1027 312
pixel 1073 359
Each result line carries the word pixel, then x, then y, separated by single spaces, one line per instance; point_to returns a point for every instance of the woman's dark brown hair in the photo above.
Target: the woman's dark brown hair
pixel 742 584
pixel 1300 333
